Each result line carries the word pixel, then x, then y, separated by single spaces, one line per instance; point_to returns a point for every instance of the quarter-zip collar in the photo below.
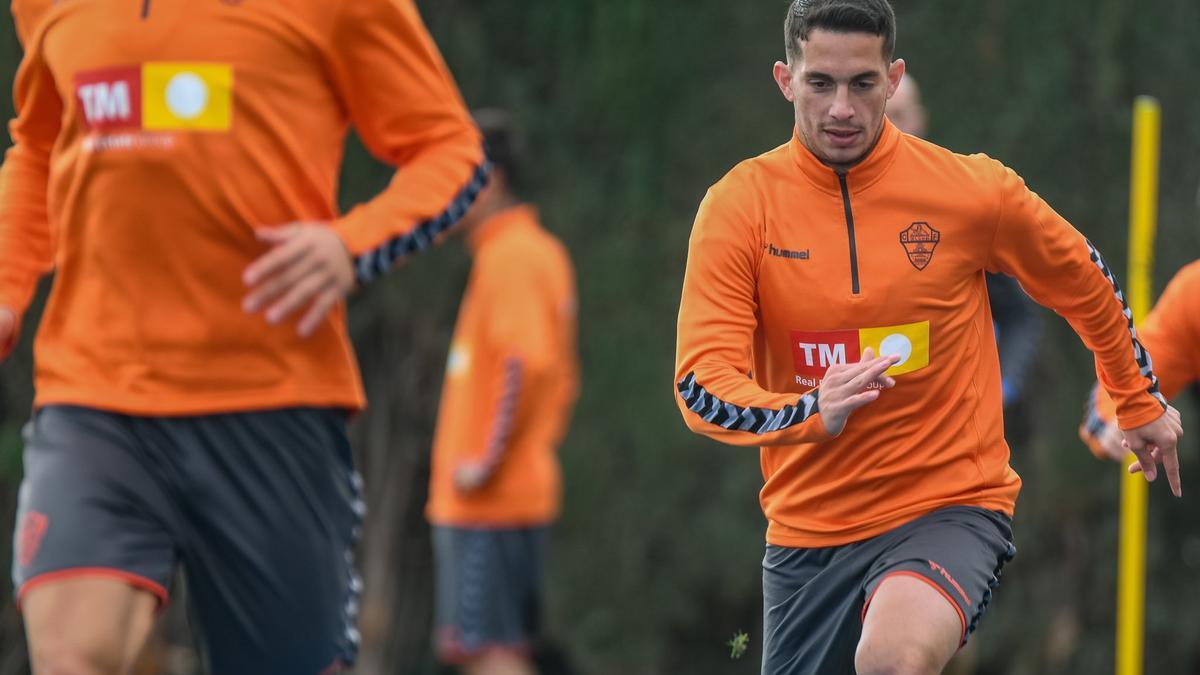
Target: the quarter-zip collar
pixel 498 222
pixel 861 175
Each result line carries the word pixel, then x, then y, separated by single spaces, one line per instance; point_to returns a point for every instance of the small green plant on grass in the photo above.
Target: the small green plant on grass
pixel 738 644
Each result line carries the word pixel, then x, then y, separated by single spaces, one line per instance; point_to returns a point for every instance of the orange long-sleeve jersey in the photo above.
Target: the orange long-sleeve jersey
pixel 793 267
pixel 1171 332
pixel 511 379
pixel 152 136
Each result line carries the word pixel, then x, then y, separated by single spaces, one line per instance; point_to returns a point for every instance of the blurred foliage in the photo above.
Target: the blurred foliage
pixel 632 109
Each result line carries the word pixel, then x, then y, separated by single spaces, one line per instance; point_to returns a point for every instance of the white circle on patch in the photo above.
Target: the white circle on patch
pixel 898 345
pixel 187 96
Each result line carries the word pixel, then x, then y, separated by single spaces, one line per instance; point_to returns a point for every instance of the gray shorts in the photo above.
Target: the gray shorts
pixel 489 589
pixel 814 599
pixel 260 509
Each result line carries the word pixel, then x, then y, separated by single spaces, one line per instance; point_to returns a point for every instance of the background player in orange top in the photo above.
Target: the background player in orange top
pixel 175 164
pixel 511 381
pixel 887 491
pixel 1171 332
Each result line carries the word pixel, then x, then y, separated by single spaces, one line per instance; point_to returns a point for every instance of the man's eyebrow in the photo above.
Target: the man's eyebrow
pixel 818 75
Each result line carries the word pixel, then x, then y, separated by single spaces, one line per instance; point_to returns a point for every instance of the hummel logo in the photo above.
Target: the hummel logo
pixel 784 253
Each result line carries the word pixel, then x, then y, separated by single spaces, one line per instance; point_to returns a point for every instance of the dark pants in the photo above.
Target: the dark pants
pixel 261 509
pixel 814 599
pixel 489 589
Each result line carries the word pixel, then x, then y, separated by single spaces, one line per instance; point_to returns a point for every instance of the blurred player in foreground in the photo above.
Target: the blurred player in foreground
pixel 175 164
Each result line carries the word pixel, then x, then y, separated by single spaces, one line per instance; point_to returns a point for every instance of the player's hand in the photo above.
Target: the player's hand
pixel 1156 442
pixel 8 331
pixel 1111 443
pixel 848 387
pixel 471 476
pixel 307 266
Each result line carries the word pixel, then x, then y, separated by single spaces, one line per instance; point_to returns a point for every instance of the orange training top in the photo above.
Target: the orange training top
pixel 511 378
pixel 1171 332
pixel 151 138
pixel 793 267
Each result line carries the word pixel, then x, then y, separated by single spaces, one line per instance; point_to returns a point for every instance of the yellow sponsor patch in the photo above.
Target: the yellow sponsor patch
pixel 187 96
pixel 910 341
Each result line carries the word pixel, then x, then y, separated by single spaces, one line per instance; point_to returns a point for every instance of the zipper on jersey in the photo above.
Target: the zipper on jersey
pixel 850 232
pixel 145 8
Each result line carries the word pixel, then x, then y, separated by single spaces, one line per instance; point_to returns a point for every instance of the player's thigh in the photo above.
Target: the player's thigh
pixel 87 624
pixel 812 601
pixel 93 545
pixel 942 569
pixel 499 662
pixel 273 513
pixel 909 628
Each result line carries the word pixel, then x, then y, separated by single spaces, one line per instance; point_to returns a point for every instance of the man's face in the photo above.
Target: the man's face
pixel 839 88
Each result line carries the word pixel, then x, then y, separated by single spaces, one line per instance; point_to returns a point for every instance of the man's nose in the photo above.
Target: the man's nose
pixel 841 109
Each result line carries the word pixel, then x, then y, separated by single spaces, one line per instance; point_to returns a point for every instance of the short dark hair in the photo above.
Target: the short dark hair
pixel 504 145
pixel 839 16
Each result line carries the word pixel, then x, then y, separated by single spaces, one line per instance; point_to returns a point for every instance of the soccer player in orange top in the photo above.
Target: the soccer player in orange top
pixel 175 164
pixel 834 314
pixel 511 381
pixel 1172 331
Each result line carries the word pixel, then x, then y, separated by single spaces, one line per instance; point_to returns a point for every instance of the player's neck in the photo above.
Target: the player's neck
pixel 489 208
pixel 484 216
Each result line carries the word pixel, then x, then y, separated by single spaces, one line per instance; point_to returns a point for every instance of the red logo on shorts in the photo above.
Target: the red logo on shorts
pixel 942 570
pixel 29 536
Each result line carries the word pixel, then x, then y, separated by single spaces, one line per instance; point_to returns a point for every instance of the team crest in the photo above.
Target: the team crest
pixel 919 240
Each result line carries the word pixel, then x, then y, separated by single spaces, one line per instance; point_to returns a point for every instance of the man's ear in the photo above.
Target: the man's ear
pixel 783 78
pixel 895 74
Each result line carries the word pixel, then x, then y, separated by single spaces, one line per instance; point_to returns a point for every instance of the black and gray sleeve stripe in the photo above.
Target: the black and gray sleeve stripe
pixel 375 262
pixel 1140 355
pixel 506 412
pixel 744 418
pixel 1093 423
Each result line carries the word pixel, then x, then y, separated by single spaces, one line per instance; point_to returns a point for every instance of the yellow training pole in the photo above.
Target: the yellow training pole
pixel 1143 207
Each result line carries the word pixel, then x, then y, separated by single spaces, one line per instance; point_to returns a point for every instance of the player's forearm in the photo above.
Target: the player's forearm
pixel 425 198
pixel 1123 365
pixel 503 420
pixel 405 107
pixel 25 244
pixel 731 408
pixel 1063 271
pixel 713 390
